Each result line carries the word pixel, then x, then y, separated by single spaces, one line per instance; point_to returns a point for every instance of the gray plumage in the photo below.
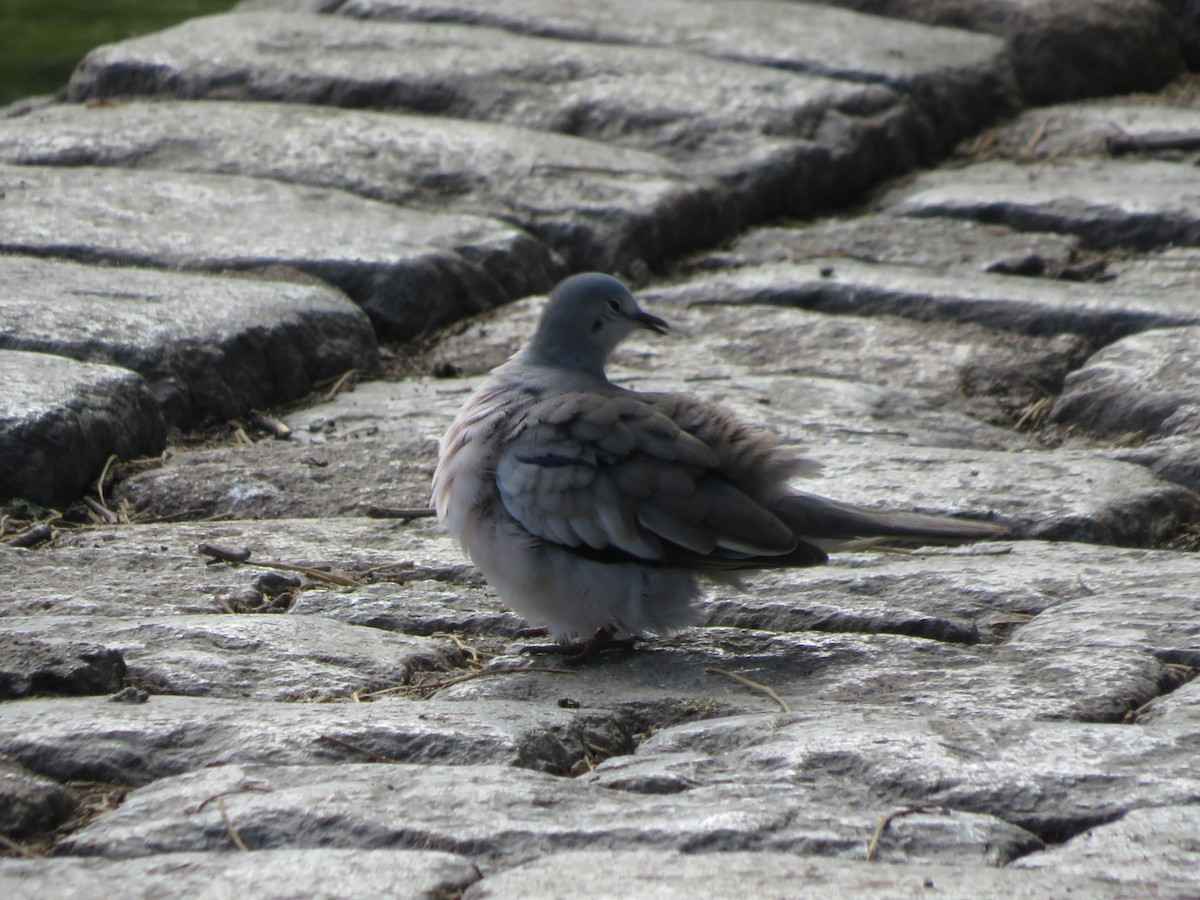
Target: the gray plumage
pixel 591 508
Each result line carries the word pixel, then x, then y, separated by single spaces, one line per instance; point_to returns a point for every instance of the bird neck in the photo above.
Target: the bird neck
pixel 588 361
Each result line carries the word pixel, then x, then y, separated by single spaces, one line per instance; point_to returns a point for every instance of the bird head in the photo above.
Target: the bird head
pixel 584 320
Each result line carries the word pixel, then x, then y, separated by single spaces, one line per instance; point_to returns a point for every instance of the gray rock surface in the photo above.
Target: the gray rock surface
pixel 29 667
pixel 963 76
pixel 980 765
pixel 265 657
pixel 135 744
pixel 666 875
pixel 1004 303
pixel 29 803
pixel 929 243
pixel 1107 203
pixel 596 205
pixel 1152 849
pixel 1147 383
pixel 409 270
pixel 60 420
pixel 129 572
pixel 781 141
pixel 405 806
pixel 273 874
pixel 1062 49
pixel 209 348
pixel 1150 130
pixel 343 695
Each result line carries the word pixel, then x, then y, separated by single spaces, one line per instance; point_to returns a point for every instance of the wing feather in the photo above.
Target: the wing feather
pixel 611 475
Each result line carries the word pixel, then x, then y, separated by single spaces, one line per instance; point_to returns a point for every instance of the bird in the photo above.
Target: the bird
pixel 597 512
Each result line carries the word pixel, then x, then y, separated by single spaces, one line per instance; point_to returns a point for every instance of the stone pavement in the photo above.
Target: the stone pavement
pixel 255 262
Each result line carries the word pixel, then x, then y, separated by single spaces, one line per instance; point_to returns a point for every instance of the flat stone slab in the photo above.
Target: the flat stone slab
pixel 780 140
pixel 209 348
pixel 1154 848
pixel 273 874
pixel 1055 779
pixel 1101 313
pixel 1064 495
pixel 982 593
pixel 1172 269
pixel 671 681
pixel 666 875
pixel 1146 130
pixel 60 420
pixel 1164 620
pixel 598 206
pixel 1107 203
pixel 409 270
pixel 952 64
pixel 136 743
pixel 1147 383
pixel 263 657
pixel 155 570
pixel 932 243
pixel 32 667
pixel 525 814
pixel 1172 459
pixel 1062 50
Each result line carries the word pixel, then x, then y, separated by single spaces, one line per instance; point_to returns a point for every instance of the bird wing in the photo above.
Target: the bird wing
pixel 615 479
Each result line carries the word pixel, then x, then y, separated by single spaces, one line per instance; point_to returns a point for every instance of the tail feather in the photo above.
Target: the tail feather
pixel 829 523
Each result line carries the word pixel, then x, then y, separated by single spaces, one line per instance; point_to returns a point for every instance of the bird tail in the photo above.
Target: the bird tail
pixel 832 525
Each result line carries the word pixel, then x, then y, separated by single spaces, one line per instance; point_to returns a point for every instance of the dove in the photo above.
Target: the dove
pixel 596 512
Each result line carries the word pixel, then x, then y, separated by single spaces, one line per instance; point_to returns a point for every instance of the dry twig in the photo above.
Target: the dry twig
pixel 242 557
pixel 873 847
pixel 742 679
pixel 277 428
pixel 233 832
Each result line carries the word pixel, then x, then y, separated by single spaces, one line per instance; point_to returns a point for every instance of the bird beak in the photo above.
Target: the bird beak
pixel 654 323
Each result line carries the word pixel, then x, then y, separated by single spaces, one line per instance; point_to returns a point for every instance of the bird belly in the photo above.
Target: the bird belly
pixel 574 596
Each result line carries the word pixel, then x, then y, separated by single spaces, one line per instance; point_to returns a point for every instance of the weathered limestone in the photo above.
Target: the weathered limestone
pixel 1153 850
pixel 961 78
pixel 1062 49
pixel 1147 383
pixel 135 744
pixel 409 270
pixel 596 205
pixel 131 572
pixel 930 243
pixel 1022 772
pixel 209 348
pixel 781 141
pixel 264 657
pixel 526 813
pixel 60 420
pixel 664 875
pixel 31 667
pixel 1024 305
pixel 1145 130
pixel 1106 203
pixel 271 874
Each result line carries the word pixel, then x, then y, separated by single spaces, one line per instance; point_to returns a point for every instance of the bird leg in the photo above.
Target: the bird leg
pixel 577 652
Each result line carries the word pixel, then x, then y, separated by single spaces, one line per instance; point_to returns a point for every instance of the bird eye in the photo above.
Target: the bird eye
pixel 614 306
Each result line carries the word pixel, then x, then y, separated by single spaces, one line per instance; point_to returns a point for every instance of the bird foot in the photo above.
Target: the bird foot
pixel 577 652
